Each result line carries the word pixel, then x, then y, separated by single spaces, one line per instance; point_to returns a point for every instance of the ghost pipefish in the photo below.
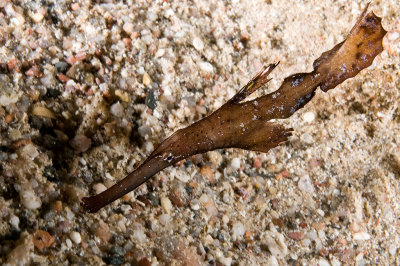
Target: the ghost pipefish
pixel 246 124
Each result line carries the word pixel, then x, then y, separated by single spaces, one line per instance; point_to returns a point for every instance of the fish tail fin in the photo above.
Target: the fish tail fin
pixel 355 53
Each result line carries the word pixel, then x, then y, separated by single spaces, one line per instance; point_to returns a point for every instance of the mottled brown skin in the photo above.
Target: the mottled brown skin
pixel 246 125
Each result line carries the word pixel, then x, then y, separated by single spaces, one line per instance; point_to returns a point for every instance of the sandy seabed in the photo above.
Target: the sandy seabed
pixel 89 88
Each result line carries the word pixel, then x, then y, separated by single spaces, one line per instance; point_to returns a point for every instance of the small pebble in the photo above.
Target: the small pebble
pixel 117 110
pixel 272 261
pixel 14 134
pixel 323 262
pixel 165 219
pixel 3 156
pixel 206 67
pixel 75 6
pixel 305 184
pixel 146 79
pixel 34 71
pixel 30 151
pixel 355 227
pixel 308 117
pixel 211 208
pixel 177 197
pixel 61 66
pixel 76 237
pixel 102 231
pixel 122 95
pixel 81 143
pixel 225 219
pixel 306 138
pixel 207 173
pixel 151 100
pixel 392 249
pixel 30 200
pixel 57 206
pixel 198 44
pixel 68 242
pixel 235 163
pixel 37 17
pixel 6 100
pixel 14 221
pixel 276 244
pixel 215 158
pixel 160 53
pixel 8 119
pixel 128 27
pixel 323 252
pixel 9 9
pixel 43 111
pixel 362 236
pixel 63 78
pixel 166 204
pixel 257 162
pixel 296 235
pixel 148 147
pixel 144 131
pixel 99 187
pixel 42 239
pixel 237 230
pixel 48 81
pixel 138 233
pixel 195 205
pixel 320 212
pixel 226 261
pixel 393 35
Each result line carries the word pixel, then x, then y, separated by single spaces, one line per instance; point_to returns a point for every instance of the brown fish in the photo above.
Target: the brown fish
pixel 246 124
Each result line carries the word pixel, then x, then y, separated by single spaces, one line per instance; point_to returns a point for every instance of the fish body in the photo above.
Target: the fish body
pixel 247 124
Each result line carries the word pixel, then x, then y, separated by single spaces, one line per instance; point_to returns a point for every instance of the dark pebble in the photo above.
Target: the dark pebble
pixel 36 122
pixel 51 174
pixel 50 142
pixel 212 262
pixel 61 66
pixel 5 149
pixel 358 107
pixel 188 163
pixel 87 178
pixel 52 93
pixel 44 124
pixel 8 191
pixel 291 225
pixel 189 189
pixel 143 199
pixel 114 260
pixel 151 100
pixel 155 201
pixel 117 250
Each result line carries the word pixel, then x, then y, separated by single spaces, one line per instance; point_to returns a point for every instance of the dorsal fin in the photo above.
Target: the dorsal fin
pixel 254 84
